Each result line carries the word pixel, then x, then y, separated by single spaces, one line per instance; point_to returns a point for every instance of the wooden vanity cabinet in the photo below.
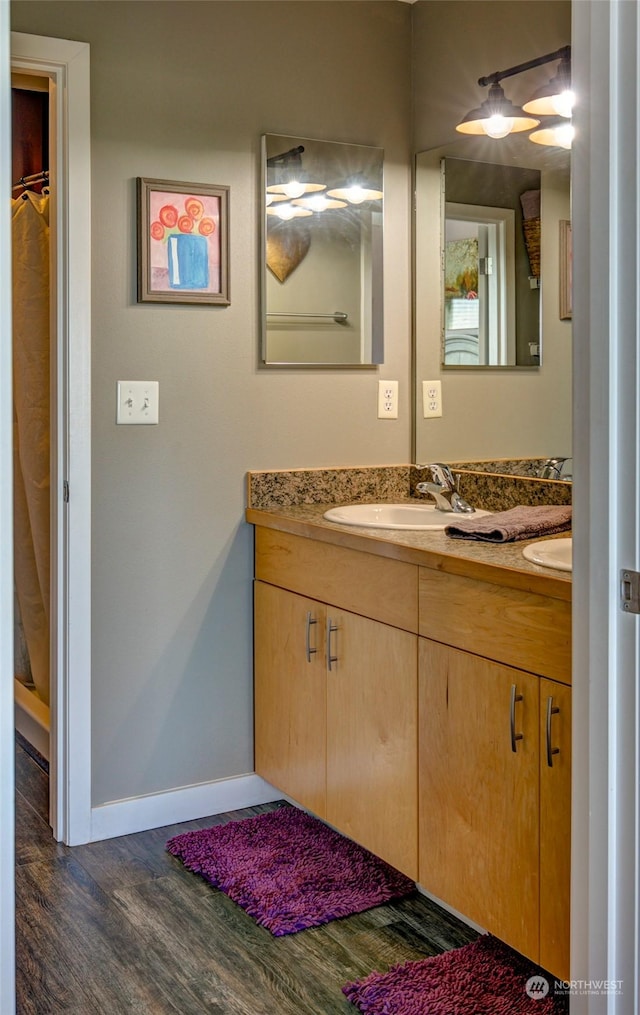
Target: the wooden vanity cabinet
pixel 290 699
pixel 427 715
pixel 555 826
pixel 494 767
pixel 479 801
pixel 336 691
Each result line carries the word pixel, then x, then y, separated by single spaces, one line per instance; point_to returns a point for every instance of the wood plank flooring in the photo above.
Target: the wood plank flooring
pixel 120 927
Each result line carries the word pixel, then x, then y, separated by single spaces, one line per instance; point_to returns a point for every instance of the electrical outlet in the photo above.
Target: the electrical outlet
pixel 137 402
pixel 431 399
pixel 387 399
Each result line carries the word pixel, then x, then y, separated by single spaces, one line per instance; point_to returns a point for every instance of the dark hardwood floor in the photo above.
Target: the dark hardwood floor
pixel 120 927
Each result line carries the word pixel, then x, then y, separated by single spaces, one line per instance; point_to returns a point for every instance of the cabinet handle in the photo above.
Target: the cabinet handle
pixel 551 710
pixel 514 736
pixel 331 628
pixel 309 651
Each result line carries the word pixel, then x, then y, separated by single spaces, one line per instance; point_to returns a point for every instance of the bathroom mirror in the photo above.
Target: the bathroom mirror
pixel 491 410
pixel 322 215
pixel 490 236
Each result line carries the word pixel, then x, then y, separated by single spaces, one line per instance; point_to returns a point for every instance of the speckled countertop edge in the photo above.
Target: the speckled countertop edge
pixel 435 546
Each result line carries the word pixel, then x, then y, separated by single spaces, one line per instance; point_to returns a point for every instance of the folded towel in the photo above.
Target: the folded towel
pixel 522 522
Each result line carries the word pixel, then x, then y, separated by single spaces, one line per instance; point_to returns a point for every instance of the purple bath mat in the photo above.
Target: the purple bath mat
pixel 288 870
pixel 481 978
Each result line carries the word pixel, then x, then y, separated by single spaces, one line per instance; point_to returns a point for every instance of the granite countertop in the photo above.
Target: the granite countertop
pixel 500 564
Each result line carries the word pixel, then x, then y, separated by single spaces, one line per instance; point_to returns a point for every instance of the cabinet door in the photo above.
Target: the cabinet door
pixel 290 694
pixel 479 799
pixel 555 826
pixel 372 737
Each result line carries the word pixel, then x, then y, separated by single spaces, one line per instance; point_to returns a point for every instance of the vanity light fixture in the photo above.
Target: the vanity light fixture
pixel 318 202
pixel 556 97
pixel 272 198
pixel 356 193
pixel 497 116
pixel 287 211
pixel 292 182
pixel 558 133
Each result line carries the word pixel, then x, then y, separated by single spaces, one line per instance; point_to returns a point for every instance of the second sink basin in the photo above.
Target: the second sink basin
pixel 395 516
pixel 555 553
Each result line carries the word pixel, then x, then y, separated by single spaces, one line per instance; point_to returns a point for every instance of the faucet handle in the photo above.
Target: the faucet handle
pixel 442 475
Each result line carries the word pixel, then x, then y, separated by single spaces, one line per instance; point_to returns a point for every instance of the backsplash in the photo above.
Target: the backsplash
pixel 528 467
pixel 493 492
pixel 327 486
pixel 481 487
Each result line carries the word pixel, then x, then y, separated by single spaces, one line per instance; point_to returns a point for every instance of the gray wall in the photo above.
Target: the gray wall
pixel 183 91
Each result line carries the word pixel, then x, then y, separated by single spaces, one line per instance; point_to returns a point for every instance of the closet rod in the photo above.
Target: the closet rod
pixel 24 181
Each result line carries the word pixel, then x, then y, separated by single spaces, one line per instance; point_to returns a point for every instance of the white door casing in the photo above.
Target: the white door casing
pixel 606 437
pixel 7 910
pixel 66 64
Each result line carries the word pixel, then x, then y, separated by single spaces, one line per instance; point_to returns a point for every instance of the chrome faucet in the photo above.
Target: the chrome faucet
pixel 554 468
pixel 443 489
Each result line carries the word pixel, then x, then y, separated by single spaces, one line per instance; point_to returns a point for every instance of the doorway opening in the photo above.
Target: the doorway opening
pixel 33 282
pixel 60 68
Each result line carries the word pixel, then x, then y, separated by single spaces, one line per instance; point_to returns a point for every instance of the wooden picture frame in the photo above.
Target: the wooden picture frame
pixel 183 242
pixel 566 271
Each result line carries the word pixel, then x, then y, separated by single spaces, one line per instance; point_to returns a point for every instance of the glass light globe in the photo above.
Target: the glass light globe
pixel 284 211
pixel 293 189
pixel 563 104
pixel 498 126
pixel 565 134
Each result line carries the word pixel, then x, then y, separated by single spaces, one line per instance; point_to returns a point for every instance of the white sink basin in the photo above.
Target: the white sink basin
pixel 550 553
pixel 395 516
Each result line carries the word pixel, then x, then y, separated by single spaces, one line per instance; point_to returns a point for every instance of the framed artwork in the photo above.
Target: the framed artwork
pixel 183 242
pixel 566 271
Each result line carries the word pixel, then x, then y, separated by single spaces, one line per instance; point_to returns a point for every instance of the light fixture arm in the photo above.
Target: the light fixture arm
pixel 286 158
pixel 564 53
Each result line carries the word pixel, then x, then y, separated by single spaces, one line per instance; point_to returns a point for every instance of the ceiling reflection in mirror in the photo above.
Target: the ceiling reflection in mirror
pixel 322 253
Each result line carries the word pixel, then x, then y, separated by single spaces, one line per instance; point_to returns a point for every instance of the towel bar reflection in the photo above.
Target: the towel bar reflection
pixel 338 316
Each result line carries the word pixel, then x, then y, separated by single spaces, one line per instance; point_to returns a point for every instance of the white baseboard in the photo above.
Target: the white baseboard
pixel 137 814
pixel 31 718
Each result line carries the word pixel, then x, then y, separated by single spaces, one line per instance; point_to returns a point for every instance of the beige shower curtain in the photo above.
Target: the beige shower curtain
pixel 31 380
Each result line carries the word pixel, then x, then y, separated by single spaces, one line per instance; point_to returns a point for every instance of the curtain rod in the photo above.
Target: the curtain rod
pixel 24 181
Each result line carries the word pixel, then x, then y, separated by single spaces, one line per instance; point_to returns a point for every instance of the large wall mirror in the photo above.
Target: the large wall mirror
pixel 488 322
pixel 322 253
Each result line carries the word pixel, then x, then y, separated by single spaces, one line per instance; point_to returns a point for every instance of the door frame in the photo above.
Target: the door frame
pixel 605 922
pixel 66 64
pixel 7 848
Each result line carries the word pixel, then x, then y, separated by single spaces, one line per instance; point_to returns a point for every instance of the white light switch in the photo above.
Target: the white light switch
pixel 137 402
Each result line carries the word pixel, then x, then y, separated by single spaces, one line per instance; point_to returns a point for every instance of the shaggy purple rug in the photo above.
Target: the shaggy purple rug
pixel 481 978
pixel 288 870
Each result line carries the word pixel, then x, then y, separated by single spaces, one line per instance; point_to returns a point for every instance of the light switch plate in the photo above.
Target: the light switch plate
pixel 137 402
